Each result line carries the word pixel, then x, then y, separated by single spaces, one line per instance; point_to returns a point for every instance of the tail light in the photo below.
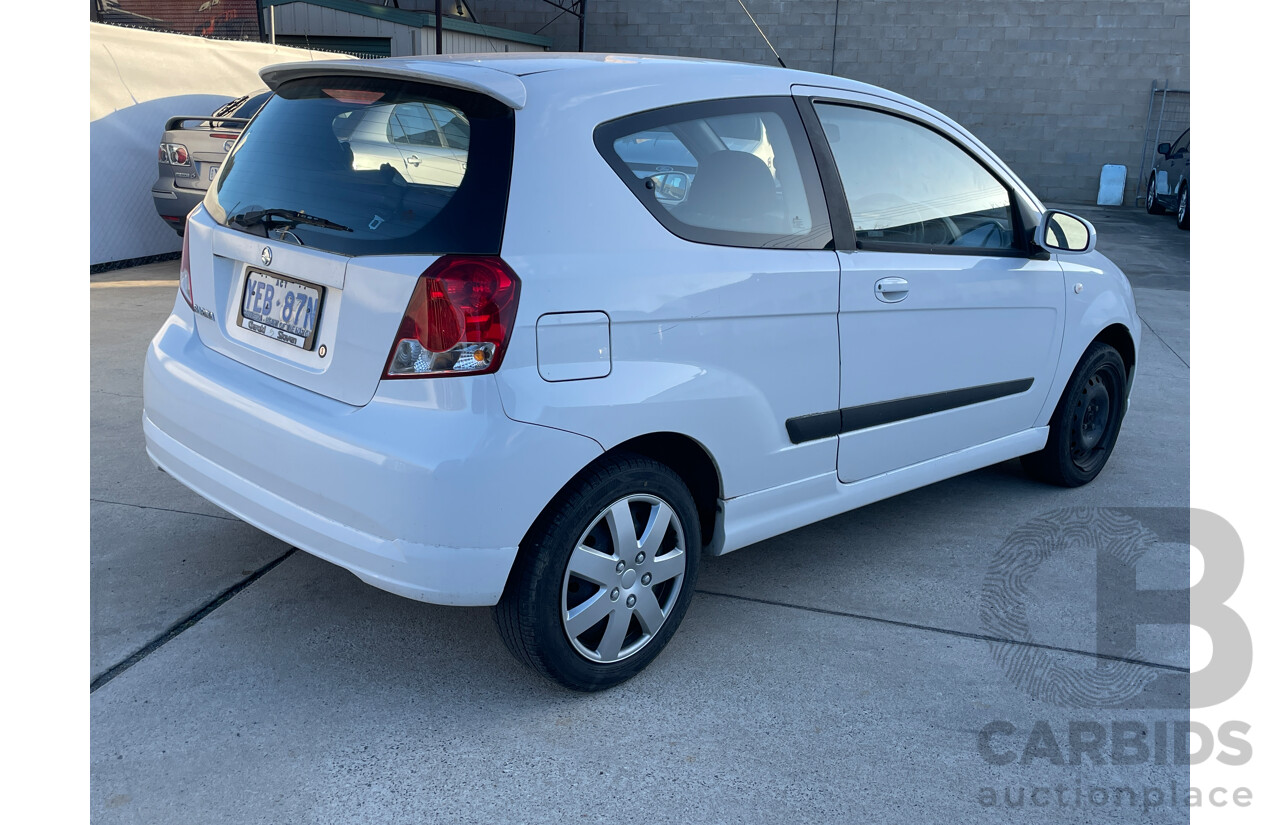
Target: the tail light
pixel 184 271
pixel 458 320
pixel 175 154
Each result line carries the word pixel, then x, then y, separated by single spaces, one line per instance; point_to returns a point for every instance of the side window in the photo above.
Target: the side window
pixel 411 123
pixel 728 172
pixel 1183 146
pixel 451 127
pixel 910 188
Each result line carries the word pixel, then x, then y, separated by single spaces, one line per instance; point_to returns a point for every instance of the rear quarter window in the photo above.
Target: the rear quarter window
pixel 371 166
pixel 729 172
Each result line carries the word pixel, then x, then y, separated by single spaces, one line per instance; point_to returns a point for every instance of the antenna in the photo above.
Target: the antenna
pixel 762 34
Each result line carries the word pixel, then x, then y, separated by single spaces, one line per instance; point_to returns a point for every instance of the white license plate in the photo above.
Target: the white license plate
pixel 281 308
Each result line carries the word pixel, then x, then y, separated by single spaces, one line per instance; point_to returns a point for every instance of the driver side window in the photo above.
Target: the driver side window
pixel 911 189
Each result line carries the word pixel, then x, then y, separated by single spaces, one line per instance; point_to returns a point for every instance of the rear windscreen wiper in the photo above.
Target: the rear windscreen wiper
pixel 290 218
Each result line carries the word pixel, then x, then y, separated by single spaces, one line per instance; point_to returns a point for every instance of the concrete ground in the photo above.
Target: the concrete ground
pixel 842 672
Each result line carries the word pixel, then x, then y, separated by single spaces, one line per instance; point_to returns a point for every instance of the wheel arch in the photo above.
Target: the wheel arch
pixel 686 456
pixel 1117 336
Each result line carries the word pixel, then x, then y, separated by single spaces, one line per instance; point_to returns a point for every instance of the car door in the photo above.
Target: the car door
pixel 418 132
pixel 367 134
pixel 950 328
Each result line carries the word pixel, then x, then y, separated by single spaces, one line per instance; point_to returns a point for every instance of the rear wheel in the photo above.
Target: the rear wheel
pixel 605 576
pixel 1086 422
pixel 1153 204
pixel 1184 208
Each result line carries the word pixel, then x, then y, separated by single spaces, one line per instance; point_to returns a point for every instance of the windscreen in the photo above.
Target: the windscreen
pixel 371 166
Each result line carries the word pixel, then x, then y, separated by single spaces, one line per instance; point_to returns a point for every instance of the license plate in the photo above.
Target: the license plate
pixel 281 308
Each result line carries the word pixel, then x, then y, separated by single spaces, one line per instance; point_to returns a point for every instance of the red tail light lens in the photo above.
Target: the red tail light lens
pixel 174 154
pixel 458 320
pixel 184 271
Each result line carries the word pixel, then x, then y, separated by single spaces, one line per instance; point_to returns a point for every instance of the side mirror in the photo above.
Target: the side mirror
pixel 670 187
pixel 1064 232
pixel 1163 149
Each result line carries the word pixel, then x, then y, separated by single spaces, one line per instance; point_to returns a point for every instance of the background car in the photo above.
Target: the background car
pixel 191 151
pixel 425 142
pixel 1169 186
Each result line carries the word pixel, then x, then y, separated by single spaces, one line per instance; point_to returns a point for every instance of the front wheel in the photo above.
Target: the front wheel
pixel 1086 422
pixel 1184 208
pixel 1153 203
pixel 605 576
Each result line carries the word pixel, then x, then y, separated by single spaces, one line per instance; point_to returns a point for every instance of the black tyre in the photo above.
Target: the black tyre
pixel 1184 208
pixel 605 576
pixel 1086 422
pixel 1153 203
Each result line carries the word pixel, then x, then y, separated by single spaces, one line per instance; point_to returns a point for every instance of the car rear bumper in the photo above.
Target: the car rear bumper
pixel 425 492
pixel 173 203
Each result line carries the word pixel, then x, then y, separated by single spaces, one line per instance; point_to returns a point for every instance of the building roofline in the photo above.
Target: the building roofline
pixel 418 19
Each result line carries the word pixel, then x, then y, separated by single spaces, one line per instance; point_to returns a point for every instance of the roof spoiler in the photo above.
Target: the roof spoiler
pixel 175 123
pixel 506 88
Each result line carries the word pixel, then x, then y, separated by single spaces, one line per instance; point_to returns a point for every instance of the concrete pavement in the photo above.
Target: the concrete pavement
pixel 842 672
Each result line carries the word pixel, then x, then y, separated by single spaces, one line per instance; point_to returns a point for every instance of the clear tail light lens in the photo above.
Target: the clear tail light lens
pixel 175 154
pixel 458 320
pixel 184 271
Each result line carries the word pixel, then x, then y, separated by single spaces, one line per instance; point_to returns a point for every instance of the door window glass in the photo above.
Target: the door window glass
pixel 910 187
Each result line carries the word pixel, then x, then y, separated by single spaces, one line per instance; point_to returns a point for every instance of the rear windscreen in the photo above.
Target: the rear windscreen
pixel 371 166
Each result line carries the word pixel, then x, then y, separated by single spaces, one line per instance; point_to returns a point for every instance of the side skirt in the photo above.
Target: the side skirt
pixel 768 513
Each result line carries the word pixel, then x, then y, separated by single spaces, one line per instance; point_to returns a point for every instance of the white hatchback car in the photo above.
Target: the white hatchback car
pixel 553 380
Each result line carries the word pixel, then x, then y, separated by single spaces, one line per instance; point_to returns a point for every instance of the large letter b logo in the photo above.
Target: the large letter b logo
pixel 1118 674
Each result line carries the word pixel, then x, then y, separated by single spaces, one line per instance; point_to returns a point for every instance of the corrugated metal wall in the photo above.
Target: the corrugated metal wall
pixel 299 19
pixel 466 43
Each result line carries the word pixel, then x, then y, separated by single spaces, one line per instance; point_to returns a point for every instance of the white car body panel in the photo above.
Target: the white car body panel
pixel 426 487
pixel 394 491
pixel 967 321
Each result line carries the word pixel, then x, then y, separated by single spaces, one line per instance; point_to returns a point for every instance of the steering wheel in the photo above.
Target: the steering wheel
pixel 953 231
pixel 898 217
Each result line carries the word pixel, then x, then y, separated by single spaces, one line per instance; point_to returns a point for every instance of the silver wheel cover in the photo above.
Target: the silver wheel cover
pixel 623 578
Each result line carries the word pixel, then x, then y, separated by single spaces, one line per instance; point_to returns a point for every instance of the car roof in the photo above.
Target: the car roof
pixel 502 74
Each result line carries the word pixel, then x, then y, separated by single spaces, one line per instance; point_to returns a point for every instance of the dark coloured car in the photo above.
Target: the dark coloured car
pixel 191 151
pixel 1169 186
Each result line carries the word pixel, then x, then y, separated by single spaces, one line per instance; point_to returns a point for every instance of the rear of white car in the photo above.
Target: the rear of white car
pixel 292 384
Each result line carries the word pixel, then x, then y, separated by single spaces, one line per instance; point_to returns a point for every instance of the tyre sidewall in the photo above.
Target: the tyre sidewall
pixel 539 579
pixel 1152 198
pixel 1059 444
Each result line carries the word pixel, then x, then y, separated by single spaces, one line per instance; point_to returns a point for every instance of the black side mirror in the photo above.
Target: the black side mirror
pixel 1163 149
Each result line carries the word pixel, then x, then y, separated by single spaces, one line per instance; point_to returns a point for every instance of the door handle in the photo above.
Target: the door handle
pixel 412 160
pixel 892 290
